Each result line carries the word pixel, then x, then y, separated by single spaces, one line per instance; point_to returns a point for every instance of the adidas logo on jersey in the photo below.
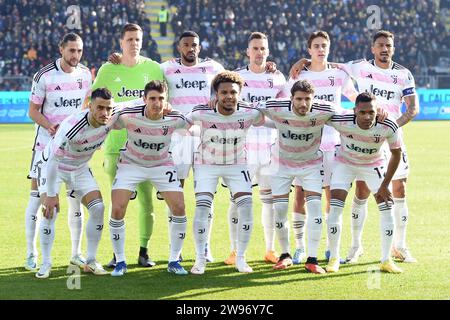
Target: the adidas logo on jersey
pixel 117 80
pixel 369 76
pixel 58 88
pixel 178 71
pixel 84 142
pixel 138 130
pixel 213 127
pixel 286 122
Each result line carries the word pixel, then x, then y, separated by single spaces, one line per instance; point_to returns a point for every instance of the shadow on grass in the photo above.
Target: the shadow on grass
pixel 157 283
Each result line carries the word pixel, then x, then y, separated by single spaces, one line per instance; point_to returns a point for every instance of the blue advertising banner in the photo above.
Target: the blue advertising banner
pixel 434 105
pixel 14 107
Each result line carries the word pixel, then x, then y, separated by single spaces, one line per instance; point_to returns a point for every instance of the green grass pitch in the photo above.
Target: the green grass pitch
pixel 428 238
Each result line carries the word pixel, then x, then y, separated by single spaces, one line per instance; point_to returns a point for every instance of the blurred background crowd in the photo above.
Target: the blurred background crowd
pixel 30 31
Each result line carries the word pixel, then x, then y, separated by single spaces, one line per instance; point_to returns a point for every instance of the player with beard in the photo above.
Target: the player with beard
pixel 126 81
pixel 392 84
pixel 59 90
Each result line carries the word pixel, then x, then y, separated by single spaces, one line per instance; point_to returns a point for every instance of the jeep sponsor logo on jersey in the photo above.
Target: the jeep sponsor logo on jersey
pixel 195 84
pixel 325 97
pixel 94 147
pixel 295 136
pixel 382 92
pixel 221 140
pixel 362 150
pixel 151 146
pixel 68 103
pixel 255 98
pixel 128 93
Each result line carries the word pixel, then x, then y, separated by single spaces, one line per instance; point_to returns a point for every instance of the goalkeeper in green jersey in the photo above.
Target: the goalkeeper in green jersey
pixel 126 81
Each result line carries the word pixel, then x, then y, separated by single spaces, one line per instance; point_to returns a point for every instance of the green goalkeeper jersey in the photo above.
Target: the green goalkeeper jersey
pixel 125 84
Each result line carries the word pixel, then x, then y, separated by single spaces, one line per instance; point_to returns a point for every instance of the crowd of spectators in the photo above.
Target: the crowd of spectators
pixel 31 30
pixel 224 27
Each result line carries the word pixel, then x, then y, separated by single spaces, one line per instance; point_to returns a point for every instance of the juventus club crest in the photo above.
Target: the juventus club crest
pixel 313 122
pixel 241 123
pixel 80 83
pixel 394 78
pixel 165 130
pixel 203 69
pixel 270 83
pixel 146 78
pixel 331 78
pixel 376 137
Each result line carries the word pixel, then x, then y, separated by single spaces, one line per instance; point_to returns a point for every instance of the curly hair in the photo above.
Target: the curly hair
pixel 227 76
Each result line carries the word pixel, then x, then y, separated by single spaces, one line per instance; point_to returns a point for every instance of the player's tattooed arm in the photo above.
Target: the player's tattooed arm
pixel 412 109
pixel 383 194
pixel 115 58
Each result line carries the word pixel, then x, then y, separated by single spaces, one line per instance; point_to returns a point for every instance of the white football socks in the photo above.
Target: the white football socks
pixel 32 219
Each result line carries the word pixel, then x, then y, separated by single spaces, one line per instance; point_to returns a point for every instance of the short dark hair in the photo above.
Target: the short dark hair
pixel 71 36
pixel 155 85
pixel 382 33
pixel 103 93
pixel 302 85
pixel 227 76
pixel 187 34
pixel 257 35
pixel 130 27
pixel 364 97
pixel 317 34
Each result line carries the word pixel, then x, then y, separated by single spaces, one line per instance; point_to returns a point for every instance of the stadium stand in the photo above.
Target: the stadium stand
pixel 419 26
pixel 30 30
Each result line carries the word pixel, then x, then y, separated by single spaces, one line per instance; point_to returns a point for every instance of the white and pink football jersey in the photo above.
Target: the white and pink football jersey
pixel 363 147
pixel 223 138
pixel 61 94
pixel 189 86
pixel 298 137
pixel 76 141
pixel 329 85
pixel 261 86
pixel 388 85
pixel 148 140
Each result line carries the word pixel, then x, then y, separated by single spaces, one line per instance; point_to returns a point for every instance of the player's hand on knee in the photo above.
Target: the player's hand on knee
pixel 50 207
pixel 384 195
